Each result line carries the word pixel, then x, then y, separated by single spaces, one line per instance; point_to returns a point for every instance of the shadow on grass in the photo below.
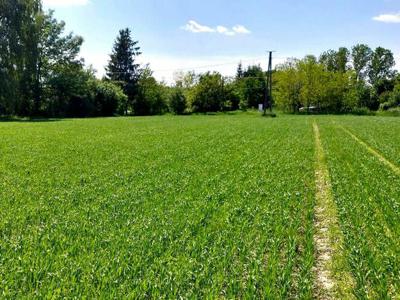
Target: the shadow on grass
pixel 28 120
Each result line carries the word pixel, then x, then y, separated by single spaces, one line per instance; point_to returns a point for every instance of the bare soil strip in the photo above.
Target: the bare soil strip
pixel 373 151
pixel 333 280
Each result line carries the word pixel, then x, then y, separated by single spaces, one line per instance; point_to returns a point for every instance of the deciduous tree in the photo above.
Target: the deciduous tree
pixel 361 56
pixel 381 66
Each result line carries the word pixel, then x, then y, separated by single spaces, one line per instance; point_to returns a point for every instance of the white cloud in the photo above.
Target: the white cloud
pixel 57 3
pixel 241 29
pixel 195 27
pixel 225 31
pixel 388 18
pixel 222 29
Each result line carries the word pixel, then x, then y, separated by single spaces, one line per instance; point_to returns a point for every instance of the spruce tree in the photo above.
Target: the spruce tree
pixel 239 71
pixel 122 66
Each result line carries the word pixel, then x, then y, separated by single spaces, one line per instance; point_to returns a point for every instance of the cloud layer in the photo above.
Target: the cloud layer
pixel 388 18
pixel 195 27
pixel 54 3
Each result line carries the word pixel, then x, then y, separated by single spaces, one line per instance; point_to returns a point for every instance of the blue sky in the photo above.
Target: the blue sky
pixel 178 34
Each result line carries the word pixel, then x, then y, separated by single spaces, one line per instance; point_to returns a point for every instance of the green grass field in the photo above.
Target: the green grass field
pixel 194 207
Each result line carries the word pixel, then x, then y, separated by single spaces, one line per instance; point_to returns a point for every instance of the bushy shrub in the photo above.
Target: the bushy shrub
pixel 385 106
pixel 253 87
pixel 384 97
pixel 390 99
pixel 358 95
pixel 177 102
pixel 362 111
pixel 209 93
pixel 395 96
pixel 151 98
pixel 75 92
pixel 108 99
pixel 232 97
pixel 68 92
pixel 394 111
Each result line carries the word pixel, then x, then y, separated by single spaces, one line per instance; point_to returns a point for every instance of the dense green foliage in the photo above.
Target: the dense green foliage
pixel 40 69
pixel 36 56
pixel 151 98
pixel 178 102
pixel 209 93
pixel 251 86
pixel 343 81
pixel 20 23
pixel 108 99
pixel 334 84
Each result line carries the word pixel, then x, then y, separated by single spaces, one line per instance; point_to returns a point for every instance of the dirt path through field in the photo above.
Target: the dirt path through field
pixel 373 151
pixel 333 281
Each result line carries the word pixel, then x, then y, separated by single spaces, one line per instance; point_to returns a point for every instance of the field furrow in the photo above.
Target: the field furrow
pixel 367 196
pixel 379 133
pixel 373 152
pixel 333 280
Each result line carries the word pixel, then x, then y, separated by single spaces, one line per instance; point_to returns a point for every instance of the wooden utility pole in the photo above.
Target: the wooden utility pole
pixel 268 94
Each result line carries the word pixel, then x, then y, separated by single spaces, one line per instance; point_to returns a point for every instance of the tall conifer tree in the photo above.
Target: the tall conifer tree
pixel 122 66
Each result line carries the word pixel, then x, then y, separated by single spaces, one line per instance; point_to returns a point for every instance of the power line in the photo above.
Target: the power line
pixel 253 60
pixel 259 59
pixel 194 68
pixel 205 66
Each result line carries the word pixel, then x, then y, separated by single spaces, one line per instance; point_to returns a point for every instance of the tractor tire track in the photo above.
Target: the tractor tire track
pixel 371 150
pixel 332 278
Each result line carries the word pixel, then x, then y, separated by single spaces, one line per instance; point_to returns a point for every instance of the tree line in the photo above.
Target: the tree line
pixel 41 74
pixel 341 81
